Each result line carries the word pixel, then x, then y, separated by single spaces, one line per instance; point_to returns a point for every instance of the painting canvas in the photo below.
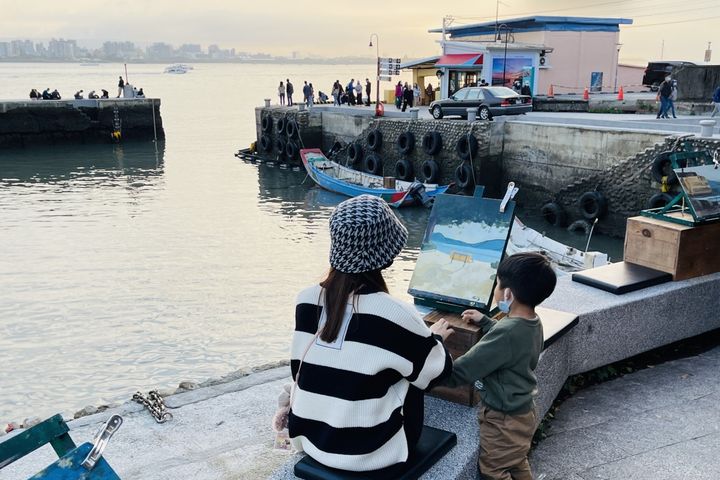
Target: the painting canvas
pixel 702 188
pixel 463 245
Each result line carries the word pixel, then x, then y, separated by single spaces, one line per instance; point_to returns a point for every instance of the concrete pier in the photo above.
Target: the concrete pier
pixel 25 123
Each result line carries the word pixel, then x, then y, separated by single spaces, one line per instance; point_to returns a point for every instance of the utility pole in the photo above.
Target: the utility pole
pixel 662 49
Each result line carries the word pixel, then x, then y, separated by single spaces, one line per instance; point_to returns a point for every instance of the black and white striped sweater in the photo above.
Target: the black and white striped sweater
pixel 347 410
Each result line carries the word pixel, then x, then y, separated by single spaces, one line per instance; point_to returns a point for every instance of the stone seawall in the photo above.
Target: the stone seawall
pixel 27 123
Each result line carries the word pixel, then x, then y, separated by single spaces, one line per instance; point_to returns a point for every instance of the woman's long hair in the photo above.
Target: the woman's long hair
pixel 338 287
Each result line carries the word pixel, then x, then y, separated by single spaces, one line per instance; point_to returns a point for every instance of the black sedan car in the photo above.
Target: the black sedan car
pixel 489 101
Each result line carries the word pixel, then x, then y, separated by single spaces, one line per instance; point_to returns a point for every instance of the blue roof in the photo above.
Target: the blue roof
pixel 539 23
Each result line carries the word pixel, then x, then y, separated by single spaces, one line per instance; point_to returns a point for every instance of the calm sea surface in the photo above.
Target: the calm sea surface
pixel 123 268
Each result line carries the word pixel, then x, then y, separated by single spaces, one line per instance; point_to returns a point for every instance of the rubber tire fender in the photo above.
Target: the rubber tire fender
pixel 554 214
pixel 281 125
pixel 659 200
pixel 406 142
pixel 374 140
pixel 292 129
pixel 291 150
pixel 663 164
pixel 430 171
pixel 464 176
pixel 266 144
pixel 355 153
pixel 467 146
pixel 582 226
pixel 404 170
pixel 267 124
pixel 373 164
pixel 432 142
pixel 280 145
pixel 592 205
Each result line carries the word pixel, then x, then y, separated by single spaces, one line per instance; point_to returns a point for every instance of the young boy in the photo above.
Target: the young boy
pixel 501 365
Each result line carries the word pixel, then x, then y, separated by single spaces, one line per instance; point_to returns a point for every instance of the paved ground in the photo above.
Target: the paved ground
pixel 661 423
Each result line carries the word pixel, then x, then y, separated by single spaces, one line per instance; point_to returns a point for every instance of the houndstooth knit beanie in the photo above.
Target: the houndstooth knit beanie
pixel 365 235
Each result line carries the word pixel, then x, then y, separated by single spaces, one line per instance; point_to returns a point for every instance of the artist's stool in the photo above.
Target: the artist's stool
pixel 431 447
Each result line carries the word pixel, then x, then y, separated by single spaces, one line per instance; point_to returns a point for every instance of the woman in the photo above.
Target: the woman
pixel 360 358
pixel 281 93
pixel 398 94
pixel 416 95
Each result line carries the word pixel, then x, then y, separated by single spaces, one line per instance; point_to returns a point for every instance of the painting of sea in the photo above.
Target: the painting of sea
pixel 463 245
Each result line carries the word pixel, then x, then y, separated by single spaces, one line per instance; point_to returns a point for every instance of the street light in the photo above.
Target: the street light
pixel 617 64
pixel 507 33
pixel 377 83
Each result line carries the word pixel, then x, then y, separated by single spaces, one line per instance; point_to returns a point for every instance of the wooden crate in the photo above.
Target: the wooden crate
pixel 466 335
pixel 685 252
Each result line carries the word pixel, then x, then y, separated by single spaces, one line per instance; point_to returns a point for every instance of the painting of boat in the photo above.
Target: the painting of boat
pixel 338 178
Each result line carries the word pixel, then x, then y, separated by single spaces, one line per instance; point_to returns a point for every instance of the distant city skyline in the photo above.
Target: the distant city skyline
pixel 317 28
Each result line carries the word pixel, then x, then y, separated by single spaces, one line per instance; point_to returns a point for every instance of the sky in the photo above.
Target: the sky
pixel 677 30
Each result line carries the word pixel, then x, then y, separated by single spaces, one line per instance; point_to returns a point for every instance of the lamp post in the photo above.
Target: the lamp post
pixel 377 77
pixel 507 33
pixel 617 64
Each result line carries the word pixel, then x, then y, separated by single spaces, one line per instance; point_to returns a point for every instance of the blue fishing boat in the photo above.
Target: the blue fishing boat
pixel 346 181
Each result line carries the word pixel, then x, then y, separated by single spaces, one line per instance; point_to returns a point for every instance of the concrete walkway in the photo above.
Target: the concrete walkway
pixel 661 423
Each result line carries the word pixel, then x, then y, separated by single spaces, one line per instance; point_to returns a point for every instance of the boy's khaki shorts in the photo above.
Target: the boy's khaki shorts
pixel 504 444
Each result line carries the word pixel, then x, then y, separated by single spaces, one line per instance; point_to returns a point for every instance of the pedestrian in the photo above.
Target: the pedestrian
pixel 716 101
pixel 311 95
pixel 407 97
pixel 663 95
pixel 526 90
pixel 398 94
pixel 502 366
pixel 34 94
pixel 356 340
pixel 79 95
pixel 306 93
pixel 289 89
pixel 416 94
pixel 429 92
pixel 281 93
pixel 121 86
pixel 350 89
pixel 358 92
pixel 336 94
pixel 368 88
pixel 671 100
pixel 105 93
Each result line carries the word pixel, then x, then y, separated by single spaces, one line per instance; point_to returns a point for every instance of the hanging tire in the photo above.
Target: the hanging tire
pixel 484 113
pixel 464 176
pixel 281 125
pixel 406 142
pixel 373 164
pixel 280 145
pixel 580 226
pixel 267 124
pixel 662 167
pixel 374 140
pixel 266 144
pixel 430 171
pixel 355 153
pixel 432 143
pixel 291 150
pixel 436 112
pixel 659 200
pixel 554 214
pixel 292 129
pixel 404 170
pixel 592 205
pixel 467 147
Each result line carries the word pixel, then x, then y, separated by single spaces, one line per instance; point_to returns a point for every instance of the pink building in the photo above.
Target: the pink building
pixel 569 53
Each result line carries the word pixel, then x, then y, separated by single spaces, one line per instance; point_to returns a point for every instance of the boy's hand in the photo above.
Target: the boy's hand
pixel 442 328
pixel 472 316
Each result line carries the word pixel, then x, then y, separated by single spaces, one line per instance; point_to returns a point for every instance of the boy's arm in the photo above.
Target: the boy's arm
pixel 492 352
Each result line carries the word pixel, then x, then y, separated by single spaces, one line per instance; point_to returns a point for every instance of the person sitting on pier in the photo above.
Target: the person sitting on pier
pixel 34 94
pixel 46 94
pixel 55 95
pixel 140 93
pixel 323 98
pixel 93 95
pixel 105 93
pixel 78 95
pixel 360 358
pixel 503 361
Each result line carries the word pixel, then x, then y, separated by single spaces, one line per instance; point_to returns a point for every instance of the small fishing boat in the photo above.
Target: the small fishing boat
pixel 178 68
pixel 344 180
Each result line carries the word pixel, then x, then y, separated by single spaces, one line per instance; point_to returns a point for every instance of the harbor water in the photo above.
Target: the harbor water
pixel 135 266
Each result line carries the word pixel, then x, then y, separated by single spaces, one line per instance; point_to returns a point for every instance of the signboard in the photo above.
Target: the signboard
pixel 596 81
pixel 385 78
pixel 389 66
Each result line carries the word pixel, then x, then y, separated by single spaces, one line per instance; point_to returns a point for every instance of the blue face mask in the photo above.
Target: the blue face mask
pixel 504 305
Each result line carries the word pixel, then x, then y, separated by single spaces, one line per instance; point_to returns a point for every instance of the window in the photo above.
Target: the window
pixel 474 94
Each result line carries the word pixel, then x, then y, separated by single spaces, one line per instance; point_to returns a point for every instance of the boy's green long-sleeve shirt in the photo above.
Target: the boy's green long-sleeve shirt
pixel 503 361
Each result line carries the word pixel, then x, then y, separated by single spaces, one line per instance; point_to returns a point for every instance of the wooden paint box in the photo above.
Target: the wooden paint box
pixel 683 251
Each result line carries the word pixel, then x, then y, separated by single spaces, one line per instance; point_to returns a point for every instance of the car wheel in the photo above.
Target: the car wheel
pixel 484 113
pixel 437 113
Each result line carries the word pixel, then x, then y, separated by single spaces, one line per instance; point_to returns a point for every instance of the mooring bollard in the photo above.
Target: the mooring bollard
pixel 414 113
pixel 472 114
pixel 267 102
pixel 707 127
